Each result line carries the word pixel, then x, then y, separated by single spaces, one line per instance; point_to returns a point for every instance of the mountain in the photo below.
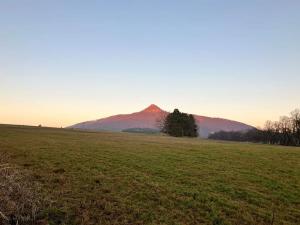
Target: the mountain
pixel 144 119
pixel 147 119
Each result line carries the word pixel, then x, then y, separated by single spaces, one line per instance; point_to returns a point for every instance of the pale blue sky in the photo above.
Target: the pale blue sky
pixel 63 62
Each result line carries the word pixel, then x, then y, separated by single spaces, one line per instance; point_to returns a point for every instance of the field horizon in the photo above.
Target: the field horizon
pixel 121 178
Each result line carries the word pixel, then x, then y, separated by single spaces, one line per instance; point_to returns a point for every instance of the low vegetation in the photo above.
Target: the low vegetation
pixel 286 131
pixel 121 178
pixel 141 130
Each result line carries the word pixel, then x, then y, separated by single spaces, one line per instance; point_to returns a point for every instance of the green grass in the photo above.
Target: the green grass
pixel 121 178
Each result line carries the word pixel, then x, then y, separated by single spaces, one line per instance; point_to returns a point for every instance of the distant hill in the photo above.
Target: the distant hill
pixel 147 119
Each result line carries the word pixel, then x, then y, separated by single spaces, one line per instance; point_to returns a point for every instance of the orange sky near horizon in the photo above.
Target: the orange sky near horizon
pixel 62 116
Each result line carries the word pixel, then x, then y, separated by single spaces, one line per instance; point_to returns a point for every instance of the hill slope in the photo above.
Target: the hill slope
pixel 148 117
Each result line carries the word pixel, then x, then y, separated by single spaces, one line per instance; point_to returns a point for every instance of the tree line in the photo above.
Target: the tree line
pixel 178 124
pixel 286 131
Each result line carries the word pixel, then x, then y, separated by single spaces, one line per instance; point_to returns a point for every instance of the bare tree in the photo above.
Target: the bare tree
pixel 160 121
pixel 269 130
pixel 295 117
pixel 286 131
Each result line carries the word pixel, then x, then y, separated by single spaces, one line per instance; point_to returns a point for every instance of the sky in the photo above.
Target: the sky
pixel 64 62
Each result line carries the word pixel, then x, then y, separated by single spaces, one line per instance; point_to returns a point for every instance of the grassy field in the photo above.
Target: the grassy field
pixel 121 178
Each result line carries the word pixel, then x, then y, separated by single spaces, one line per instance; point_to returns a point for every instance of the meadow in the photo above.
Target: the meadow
pixel 124 178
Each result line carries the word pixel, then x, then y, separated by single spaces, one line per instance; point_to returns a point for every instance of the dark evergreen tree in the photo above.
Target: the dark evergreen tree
pixel 179 124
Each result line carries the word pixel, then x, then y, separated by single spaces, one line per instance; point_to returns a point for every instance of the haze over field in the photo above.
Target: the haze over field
pixel 62 62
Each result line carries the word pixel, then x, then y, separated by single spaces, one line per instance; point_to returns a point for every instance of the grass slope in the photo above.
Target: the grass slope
pixel 120 178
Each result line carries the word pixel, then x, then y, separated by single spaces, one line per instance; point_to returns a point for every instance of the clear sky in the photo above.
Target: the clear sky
pixel 63 62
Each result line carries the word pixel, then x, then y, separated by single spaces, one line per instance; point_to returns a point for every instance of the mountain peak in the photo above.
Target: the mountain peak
pixel 152 108
pixel 148 118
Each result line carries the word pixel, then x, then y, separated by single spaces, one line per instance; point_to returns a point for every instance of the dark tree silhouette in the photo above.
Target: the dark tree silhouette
pixel 179 124
pixel 286 131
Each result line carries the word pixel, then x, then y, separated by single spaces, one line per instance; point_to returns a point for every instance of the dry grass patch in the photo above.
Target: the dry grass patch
pixel 19 202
